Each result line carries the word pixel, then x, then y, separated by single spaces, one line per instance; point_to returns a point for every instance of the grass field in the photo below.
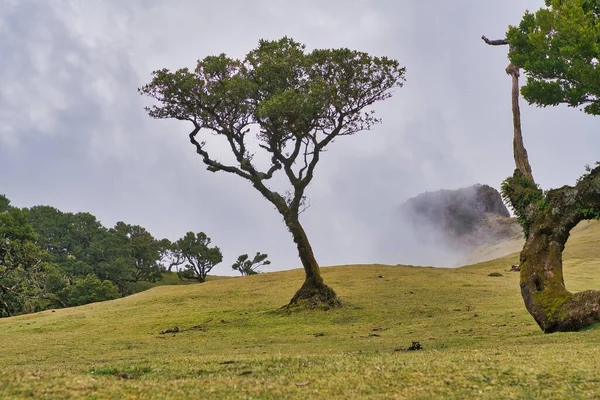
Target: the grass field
pixel 234 341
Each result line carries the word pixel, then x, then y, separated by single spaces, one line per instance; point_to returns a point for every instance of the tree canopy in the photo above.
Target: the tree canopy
pixel 559 48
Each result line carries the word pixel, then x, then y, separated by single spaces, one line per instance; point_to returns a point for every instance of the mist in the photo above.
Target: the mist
pixel 74 134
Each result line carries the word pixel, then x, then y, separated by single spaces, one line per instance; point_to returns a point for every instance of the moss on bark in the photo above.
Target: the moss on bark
pixel 313 293
pixel 548 219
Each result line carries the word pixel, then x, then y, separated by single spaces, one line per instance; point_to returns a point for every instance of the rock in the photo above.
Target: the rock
pixel 170 330
pixel 456 212
pixel 460 221
pixel 515 268
pixel 415 346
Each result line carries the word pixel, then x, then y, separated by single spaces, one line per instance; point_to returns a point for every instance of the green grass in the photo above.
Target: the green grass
pixel 234 341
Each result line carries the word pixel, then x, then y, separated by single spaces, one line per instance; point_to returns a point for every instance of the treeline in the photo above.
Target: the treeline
pixel 51 259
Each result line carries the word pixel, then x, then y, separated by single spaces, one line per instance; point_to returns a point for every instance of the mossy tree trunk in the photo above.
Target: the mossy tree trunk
pixel 313 293
pixel 548 219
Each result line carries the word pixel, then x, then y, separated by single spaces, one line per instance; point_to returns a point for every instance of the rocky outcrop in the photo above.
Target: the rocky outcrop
pixel 455 212
pixel 462 220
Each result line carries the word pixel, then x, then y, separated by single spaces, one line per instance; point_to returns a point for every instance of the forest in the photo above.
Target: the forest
pixel 54 259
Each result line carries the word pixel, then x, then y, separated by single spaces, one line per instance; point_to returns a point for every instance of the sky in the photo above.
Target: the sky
pixel 74 134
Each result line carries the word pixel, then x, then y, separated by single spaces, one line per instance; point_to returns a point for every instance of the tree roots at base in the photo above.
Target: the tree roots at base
pixel 313 295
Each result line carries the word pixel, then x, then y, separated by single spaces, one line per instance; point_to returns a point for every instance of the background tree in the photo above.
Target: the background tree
pixel 4 203
pixel 294 103
pixel 21 267
pixel 141 252
pixel 247 266
pixel 67 239
pixel 78 246
pixel 554 47
pixel 90 289
pixel 77 259
pixel 170 255
pixel 199 256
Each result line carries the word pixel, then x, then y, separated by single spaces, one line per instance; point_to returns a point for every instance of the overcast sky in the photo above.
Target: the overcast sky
pixel 74 135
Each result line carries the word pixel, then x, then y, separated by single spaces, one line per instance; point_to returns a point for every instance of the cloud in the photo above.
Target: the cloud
pixel 74 133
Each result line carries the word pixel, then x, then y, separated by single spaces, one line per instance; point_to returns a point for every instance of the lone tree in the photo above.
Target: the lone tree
pixel 558 47
pixel 290 102
pixel 249 266
pixel 200 258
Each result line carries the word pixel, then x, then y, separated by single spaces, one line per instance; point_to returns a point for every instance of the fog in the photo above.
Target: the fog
pixel 74 134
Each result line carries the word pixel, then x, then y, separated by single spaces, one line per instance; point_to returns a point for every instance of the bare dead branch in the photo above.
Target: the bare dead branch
pixel 497 42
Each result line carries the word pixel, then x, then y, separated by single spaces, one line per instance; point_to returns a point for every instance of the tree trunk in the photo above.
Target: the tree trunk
pixel 313 293
pixel 520 154
pixel 519 151
pixel 550 220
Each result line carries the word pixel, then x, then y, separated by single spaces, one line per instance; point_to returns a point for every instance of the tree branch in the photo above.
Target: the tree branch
pixel 305 157
pixel 498 42
pixel 212 164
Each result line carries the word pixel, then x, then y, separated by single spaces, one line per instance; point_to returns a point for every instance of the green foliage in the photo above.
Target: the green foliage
pixel 559 48
pixel 4 203
pixel 199 256
pixel 90 289
pixel 170 254
pixel 590 213
pixel 588 171
pixel 278 86
pixel 589 182
pixel 21 269
pixel 247 266
pixel 521 194
pixel 54 259
pixel 138 253
pixel 79 245
pixel 67 238
pixel 299 102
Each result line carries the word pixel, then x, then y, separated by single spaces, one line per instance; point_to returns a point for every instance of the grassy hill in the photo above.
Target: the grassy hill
pixel 234 341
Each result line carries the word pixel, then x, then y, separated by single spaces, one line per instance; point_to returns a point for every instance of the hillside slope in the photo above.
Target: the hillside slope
pixel 584 243
pixel 234 341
